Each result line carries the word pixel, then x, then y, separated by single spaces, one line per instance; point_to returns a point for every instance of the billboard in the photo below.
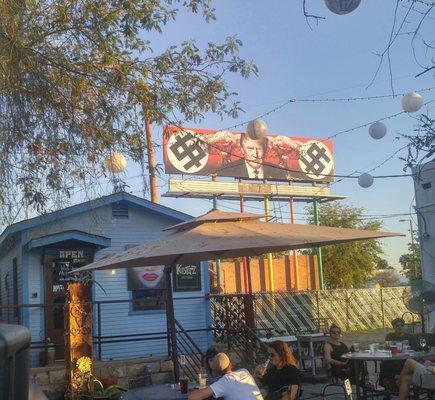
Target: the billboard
pixel 204 152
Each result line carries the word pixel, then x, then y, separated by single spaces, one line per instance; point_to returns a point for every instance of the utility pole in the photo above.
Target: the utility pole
pixel 151 155
pixel 411 228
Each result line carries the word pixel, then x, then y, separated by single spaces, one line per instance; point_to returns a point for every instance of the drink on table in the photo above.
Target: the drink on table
pixel 423 343
pixel 202 378
pixel 393 349
pixel 184 381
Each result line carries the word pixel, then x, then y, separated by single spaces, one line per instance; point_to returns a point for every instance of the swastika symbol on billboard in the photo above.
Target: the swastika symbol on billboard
pixel 187 152
pixel 315 159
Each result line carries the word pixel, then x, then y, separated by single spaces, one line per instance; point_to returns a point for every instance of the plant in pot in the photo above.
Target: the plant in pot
pixel 90 387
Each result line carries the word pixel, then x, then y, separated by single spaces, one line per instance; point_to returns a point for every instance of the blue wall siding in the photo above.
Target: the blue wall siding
pixel 6 261
pixel 118 319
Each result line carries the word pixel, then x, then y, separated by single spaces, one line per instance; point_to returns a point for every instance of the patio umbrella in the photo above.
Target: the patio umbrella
pixel 219 235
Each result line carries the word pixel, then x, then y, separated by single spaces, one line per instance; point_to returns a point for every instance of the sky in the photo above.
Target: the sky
pixel 335 58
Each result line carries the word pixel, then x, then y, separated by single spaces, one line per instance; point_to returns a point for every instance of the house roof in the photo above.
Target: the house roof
pixel 76 235
pixel 89 206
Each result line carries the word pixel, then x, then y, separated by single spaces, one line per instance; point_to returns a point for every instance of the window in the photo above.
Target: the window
pixel 15 285
pixel 120 210
pixel 150 299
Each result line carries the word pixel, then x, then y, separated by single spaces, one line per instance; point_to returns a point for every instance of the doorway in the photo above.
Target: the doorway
pixel 57 265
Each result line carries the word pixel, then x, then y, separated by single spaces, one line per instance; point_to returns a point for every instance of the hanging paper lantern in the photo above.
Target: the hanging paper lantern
pixel 115 162
pixel 378 130
pixel 365 180
pixel 412 102
pixel 256 129
pixel 342 7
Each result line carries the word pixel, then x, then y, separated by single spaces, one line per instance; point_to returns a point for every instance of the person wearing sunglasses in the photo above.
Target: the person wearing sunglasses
pixel 389 370
pixel 282 377
pixel 333 352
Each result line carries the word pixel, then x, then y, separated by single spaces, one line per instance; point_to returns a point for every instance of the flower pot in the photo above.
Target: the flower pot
pixel 106 382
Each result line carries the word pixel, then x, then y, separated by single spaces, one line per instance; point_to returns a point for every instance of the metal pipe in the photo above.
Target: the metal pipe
pixel 269 255
pixel 318 250
pixel 294 253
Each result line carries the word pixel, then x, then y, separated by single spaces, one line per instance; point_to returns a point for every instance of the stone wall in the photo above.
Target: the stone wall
pixel 130 374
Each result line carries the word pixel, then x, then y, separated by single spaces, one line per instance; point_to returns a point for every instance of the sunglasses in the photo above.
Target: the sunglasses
pixel 399 326
pixel 335 332
pixel 271 355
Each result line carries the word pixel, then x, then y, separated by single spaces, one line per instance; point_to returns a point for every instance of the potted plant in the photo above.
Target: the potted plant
pixel 90 387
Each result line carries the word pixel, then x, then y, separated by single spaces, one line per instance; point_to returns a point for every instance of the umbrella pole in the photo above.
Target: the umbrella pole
pixel 170 316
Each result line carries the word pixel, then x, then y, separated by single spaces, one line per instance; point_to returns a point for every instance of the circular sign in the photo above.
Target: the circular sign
pixel 187 152
pixel 315 159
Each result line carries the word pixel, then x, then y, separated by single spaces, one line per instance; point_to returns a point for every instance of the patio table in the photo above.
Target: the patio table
pixel 156 392
pixel 286 339
pixel 310 341
pixel 358 357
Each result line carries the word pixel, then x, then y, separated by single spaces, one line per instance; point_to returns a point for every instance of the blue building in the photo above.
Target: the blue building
pixel 37 254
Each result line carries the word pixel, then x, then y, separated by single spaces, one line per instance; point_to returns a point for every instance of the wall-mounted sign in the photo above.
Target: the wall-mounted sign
pixel 187 278
pixel 234 154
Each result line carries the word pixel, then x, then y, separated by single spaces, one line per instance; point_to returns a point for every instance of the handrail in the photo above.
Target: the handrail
pixel 184 332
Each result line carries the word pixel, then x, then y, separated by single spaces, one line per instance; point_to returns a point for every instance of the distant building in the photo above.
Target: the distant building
pixel 37 254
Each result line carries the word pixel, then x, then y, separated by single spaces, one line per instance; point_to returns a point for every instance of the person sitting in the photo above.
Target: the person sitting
pixel 282 379
pixel 389 369
pixel 233 385
pixel 414 373
pixel 333 351
pixel 212 375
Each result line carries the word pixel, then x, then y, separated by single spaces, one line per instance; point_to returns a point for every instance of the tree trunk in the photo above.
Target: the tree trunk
pixel 78 330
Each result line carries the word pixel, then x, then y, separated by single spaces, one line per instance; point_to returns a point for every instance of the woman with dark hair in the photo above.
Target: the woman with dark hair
pixel 333 352
pixel 282 378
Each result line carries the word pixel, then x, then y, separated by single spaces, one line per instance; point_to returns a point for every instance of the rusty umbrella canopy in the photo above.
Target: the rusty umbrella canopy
pixel 219 235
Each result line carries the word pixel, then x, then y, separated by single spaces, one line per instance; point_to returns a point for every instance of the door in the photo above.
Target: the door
pixel 56 275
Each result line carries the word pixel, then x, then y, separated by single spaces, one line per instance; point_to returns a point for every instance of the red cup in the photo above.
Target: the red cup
pixel 393 350
pixel 184 385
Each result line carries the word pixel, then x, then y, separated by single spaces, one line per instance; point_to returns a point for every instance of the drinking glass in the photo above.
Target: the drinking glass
pixel 422 343
pixel 202 378
pixel 184 385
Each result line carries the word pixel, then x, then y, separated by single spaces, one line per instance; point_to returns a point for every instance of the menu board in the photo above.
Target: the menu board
pixel 187 278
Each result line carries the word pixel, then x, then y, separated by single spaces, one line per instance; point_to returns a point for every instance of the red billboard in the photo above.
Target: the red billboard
pixel 204 152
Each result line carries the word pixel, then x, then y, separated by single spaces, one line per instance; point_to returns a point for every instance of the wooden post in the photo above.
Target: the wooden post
pixel 152 164
pixel 78 330
pixel 172 332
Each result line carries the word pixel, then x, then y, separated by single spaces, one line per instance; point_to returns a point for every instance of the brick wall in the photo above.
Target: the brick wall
pixel 233 275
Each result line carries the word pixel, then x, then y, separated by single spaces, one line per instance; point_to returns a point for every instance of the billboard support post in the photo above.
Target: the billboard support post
pixel 269 255
pixel 319 250
pixel 294 253
pixel 218 262
pixel 246 267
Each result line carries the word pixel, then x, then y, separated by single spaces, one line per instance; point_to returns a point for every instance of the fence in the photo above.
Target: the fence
pixel 350 309
pixel 114 328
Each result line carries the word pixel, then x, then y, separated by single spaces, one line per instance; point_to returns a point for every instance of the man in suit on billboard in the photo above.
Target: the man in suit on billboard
pixel 252 164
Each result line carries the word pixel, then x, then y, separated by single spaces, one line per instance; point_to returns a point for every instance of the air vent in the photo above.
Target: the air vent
pixel 120 210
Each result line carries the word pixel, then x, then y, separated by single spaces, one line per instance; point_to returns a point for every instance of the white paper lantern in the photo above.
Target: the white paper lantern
pixel 256 129
pixel 115 162
pixel 365 180
pixel 412 102
pixel 342 7
pixel 378 130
